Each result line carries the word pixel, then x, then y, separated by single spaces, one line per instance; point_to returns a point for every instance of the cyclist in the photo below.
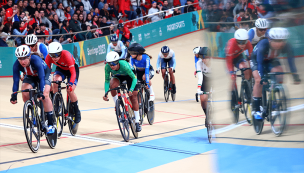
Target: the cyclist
pixel 126 37
pixel 258 32
pixel 264 59
pixel 66 68
pixel 196 57
pixel 204 76
pixel 167 56
pixel 37 48
pixel 117 46
pixel 141 61
pixel 121 71
pixel 36 71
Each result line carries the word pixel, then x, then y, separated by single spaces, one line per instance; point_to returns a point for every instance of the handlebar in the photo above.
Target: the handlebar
pixel 123 87
pixel 241 69
pixel 26 90
pixel 59 82
pixel 279 73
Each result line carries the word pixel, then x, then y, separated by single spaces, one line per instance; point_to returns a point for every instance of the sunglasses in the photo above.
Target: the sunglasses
pixel 165 54
pixel 113 63
pixel 115 42
pixel 241 42
pixel 262 30
pixel 32 45
pixel 23 58
pixel 55 55
pixel 133 52
pixel 281 40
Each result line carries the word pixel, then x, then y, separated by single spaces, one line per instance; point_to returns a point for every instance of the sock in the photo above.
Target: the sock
pixel 256 103
pixel 151 90
pixel 75 104
pixel 50 118
pixel 136 113
pixel 205 111
pixel 115 98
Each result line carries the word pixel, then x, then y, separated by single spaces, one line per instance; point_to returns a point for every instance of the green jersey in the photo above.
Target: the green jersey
pixel 123 70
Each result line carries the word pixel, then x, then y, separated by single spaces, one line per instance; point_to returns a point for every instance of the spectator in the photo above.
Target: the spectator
pixel 43 6
pixel 81 8
pixel 189 8
pixel 113 5
pixel 96 12
pixel 124 8
pixel 69 3
pixel 31 8
pixel 92 34
pixel 81 19
pixel 203 4
pixel 25 4
pixel 2 14
pixel 9 15
pixel 100 18
pixel 20 7
pixel 3 39
pixel 136 7
pixel 250 5
pixel 266 11
pixel 237 7
pixel 239 17
pixel 229 10
pixel 55 3
pixel 67 13
pixel 16 31
pixel 215 16
pixel 16 16
pixel 77 12
pixel 38 6
pixel 245 25
pixel 8 5
pixel 35 19
pixel 60 12
pixel 44 30
pixel 65 30
pixel 74 25
pixel 177 11
pixel 101 4
pixel 183 2
pixel 33 28
pixel 22 17
pixel 87 6
pixel 56 24
pixel 78 3
pixel 41 37
pixel 50 10
pixel 45 20
pixel 105 12
pixel 176 3
pixel 156 17
pixel 105 31
pixel 89 20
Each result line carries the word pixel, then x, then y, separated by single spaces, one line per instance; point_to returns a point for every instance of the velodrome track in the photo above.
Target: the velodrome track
pixel 177 142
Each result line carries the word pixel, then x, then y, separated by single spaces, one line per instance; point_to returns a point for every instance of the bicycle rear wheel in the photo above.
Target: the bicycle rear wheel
pixel 31 126
pixel 131 119
pixel 257 125
pixel 278 110
pixel 246 100
pixel 234 106
pixel 166 88
pixel 122 120
pixel 146 102
pixel 141 104
pixel 151 112
pixel 71 119
pixel 59 113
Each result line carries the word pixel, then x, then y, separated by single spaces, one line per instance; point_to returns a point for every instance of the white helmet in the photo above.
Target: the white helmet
pixel 241 34
pixel 261 23
pixel 196 50
pixel 112 56
pixel 22 51
pixel 55 47
pixel 31 39
pixel 278 33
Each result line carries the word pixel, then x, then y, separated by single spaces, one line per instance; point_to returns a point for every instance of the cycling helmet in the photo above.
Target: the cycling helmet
pixel 120 26
pixel 204 51
pixel 55 49
pixel 241 34
pixel 165 49
pixel 261 23
pixel 196 50
pixel 278 33
pixel 114 38
pixel 112 56
pixel 136 48
pixel 31 39
pixel 22 51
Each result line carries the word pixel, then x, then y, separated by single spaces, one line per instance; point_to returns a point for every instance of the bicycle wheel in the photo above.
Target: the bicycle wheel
pixel 246 100
pixel 31 126
pixel 257 125
pixel 166 88
pixel 234 105
pixel 59 112
pixel 122 120
pixel 210 127
pixel 151 113
pixel 146 102
pixel 71 119
pixel 196 97
pixel 141 104
pixel 131 119
pixel 278 110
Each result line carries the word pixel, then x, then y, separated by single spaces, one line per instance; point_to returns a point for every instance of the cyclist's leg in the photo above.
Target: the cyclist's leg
pixel 257 90
pixel 134 101
pixel 115 81
pixel 163 65
pixel 247 73
pixel 275 66
pixel 58 76
pixel 152 97
pixel 205 88
pixel 172 78
pixel 28 83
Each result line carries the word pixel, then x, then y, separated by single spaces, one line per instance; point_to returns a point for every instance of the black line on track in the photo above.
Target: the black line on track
pixel 258 139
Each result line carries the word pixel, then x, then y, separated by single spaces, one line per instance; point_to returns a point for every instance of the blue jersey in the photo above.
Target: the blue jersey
pixel 142 65
pixel 262 52
pixel 42 49
pixel 37 68
pixel 195 60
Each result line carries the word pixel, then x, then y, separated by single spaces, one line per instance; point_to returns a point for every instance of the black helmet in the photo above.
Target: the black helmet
pixel 120 26
pixel 136 48
pixel 204 51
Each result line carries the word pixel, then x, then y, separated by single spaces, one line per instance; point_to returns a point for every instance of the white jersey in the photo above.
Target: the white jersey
pixel 253 37
pixel 201 66
pixel 118 47
pixel 171 53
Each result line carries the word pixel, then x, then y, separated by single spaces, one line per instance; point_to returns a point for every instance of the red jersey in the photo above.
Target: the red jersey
pixel 125 32
pixel 68 16
pixel 8 13
pixel 233 51
pixel 66 62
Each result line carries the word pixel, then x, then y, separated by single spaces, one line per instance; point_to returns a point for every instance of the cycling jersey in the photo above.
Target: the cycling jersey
pixel 66 62
pixel 195 60
pixel 42 49
pixel 36 68
pixel 124 70
pixel 125 32
pixel 142 65
pixel 233 51
pixel 253 37
pixel 204 75
pixel 171 56
pixel 119 48
pixel 263 53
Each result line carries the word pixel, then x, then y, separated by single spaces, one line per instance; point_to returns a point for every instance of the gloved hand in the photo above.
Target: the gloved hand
pixel 40 95
pixel 233 77
pixel 296 79
pixel 148 85
pixel 157 71
pixel 199 91
pixel 195 73
pixel 173 69
pixel 70 86
pixel 264 79
pixel 13 97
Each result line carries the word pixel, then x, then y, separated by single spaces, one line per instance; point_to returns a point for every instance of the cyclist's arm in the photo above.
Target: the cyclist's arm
pixel 251 34
pixel 290 58
pixel 199 74
pixel 109 48
pixel 229 55
pixel 249 48
pixel 174 60
pixel 123 51
pixel 128 70
pixel 147 70
pixel 16 77
pixel 43 49
pixel 48 61
pixel 127 33
pixel 107 78
pixel 195 60
pixel 37 63
pixel 69 58
pixel 158 62
pixel 260 60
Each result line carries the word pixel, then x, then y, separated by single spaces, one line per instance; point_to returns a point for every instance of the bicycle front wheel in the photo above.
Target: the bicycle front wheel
pixel 151 112
pixel 166 88
pixel 278 110
pixel 141 104
pixel 31 126
pixel 59 112
pixel 131 119
pixel 246 100
pixel 122 120
pixel 71 118
pixel 234 105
